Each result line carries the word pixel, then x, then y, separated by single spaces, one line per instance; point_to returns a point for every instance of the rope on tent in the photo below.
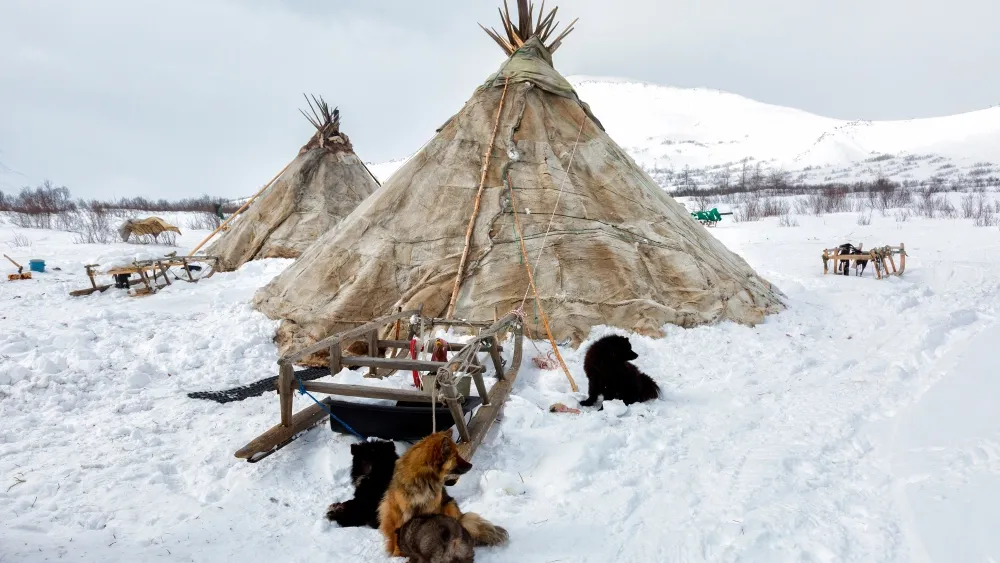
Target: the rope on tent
pixel 475 209
pixel 529 269
pixel 562 186
pixel 532 287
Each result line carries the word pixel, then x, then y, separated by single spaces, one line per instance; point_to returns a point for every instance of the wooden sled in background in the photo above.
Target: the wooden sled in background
pixel 149 274
pixel 881 259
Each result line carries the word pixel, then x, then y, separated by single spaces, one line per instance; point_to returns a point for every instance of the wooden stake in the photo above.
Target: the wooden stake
pixel 286 373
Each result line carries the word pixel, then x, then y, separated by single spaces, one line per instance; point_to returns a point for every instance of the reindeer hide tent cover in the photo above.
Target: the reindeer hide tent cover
pixel 620 252
pixel 324 183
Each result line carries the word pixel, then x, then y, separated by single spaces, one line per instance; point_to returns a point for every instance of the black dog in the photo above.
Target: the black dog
pixel 610 373
pixel 371 471
pixel 859 265
pixel 435 538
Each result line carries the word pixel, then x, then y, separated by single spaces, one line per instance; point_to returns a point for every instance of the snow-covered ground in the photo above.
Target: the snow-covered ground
pixel 711 133
pixel 859 425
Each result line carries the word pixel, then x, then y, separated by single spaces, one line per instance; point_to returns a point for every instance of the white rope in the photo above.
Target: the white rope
pixel 562 186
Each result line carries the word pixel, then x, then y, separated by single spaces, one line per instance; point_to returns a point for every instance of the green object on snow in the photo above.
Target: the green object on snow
pixel 708 216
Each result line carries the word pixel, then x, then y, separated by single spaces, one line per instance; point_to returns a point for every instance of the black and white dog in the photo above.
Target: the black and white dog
pixel 859 265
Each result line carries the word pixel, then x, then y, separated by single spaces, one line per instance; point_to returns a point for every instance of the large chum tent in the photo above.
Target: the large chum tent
pixel 324 183
pixel 524 159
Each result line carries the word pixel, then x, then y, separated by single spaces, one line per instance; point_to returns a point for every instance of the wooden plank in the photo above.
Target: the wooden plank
pixel 459 322
pixel 405 344
pixel 89 290
pixel 367 391
pixel 278 435
pixel 494 351
pixel 394 363
pixel 343 336
pixel 286 374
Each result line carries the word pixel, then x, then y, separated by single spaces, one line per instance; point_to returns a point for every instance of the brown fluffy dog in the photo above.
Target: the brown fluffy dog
pixel 417 488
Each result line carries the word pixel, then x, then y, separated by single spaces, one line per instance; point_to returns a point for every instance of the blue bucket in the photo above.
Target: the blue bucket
pixel 36 265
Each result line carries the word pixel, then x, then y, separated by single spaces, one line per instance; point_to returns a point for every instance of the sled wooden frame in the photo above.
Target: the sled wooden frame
pixel 881 257
pixel 149 273
pixel 470 436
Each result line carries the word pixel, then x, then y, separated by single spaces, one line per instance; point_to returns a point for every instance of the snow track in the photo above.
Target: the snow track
pixel 823 434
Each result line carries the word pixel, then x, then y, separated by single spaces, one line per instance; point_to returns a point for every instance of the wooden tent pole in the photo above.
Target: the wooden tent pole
pixel 475 209
pixel 240 210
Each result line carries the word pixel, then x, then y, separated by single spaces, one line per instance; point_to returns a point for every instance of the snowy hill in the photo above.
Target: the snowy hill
pixel 711 132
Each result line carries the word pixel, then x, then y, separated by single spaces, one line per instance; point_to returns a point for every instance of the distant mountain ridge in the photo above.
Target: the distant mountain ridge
pixel 696 136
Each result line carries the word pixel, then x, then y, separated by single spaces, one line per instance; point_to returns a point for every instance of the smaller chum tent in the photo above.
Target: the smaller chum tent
pixel 316 191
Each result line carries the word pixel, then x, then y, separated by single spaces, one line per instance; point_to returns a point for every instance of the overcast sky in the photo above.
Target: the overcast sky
pixel 180 98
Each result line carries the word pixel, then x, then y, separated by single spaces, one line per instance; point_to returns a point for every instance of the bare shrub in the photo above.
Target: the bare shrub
pixel 984 215
pixel 864 219
pixel 211 221
pixel 166 238
pixel 987 219
pixel 902 215
pixel 788 221
pixel 68 221
pixel 19 241
pixel 95 226
pixel 977 207
pixel 813 203
pixel 898 198
pixel 36 207
pixel 803 206
pixel 931 206
pixel 748 207
pixel 829 200
pixel 774 207
pixel 835 200
pixel 22 220
pixel 970 204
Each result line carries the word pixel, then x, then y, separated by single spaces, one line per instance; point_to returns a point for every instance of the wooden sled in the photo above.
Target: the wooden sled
pixel 149 273
pixel 881 259
pixel 445 390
